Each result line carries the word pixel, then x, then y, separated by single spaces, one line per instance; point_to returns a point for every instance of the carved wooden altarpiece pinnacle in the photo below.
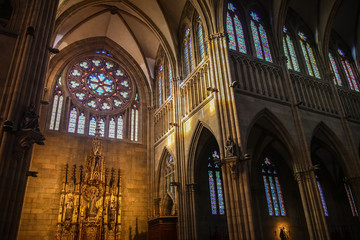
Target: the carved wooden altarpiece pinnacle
pixel 90 201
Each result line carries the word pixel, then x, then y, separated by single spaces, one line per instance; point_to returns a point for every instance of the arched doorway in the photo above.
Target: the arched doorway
pixel 276 197
pixel 209 195
pixel 335 192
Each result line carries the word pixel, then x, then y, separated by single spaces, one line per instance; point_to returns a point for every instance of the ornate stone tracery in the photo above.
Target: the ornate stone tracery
pixel 90 201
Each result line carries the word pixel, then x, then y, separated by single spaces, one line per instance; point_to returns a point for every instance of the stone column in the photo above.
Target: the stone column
pixel 304 174
pixel 236 185
pixel 23 88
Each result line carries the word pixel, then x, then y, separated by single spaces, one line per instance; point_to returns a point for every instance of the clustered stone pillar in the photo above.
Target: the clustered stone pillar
pixel 235 176
pixel 20 98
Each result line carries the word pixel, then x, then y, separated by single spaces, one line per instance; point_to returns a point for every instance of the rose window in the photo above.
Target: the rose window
pixel 100 84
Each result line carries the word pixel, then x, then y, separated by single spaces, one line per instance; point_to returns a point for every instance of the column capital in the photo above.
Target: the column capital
pixel 216 35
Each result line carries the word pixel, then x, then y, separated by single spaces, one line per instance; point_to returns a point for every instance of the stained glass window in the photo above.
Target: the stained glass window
pixel 348 72
pixel 81 124
pixel 201 41
pixel 309 56
pixel 120 127
pixel 273 192
pixel 289 50
pixel 160 88
pixel 92 126
pixel 260 38
pixel 170 176
pixel 351 200
pixel 170 80
pixel 337 79
pixel 57 107
pixel 188 58
pixel 234 28
pixel 97 86
pixel 322 198
pixel 72 120
pixel 215 184
pixel 112 128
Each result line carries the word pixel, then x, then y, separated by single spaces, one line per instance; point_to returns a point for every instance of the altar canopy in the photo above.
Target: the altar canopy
pixel 90 201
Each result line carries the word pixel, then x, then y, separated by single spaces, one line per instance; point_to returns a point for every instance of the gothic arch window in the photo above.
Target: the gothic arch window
pixel 273 193
pixel 289 50
pixel 215 184
pixel 200 40
pixel 57 106
pixel 260 39
pixel 170 177
pixel 308 55
pixel 235 30
pixel 348 70
pixel 99 91
pixel 334 69
pixel 163 78
pixel 188 56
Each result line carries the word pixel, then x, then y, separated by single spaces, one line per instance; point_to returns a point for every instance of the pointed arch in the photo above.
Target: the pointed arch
pixel 330 141
pixel 202 131
pixel 266 121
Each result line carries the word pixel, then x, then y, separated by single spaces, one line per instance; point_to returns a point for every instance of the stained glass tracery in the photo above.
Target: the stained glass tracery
pixel 348 71
pixel 99 83
pixel 260 38
pixel 337 79
pixel 308 56
pixel 215 184
pixel 100 93
pixel 235 30
pixel 273 192
pixel 290 53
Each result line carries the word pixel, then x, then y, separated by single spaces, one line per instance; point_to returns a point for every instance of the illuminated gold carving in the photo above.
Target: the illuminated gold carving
pixel 90 200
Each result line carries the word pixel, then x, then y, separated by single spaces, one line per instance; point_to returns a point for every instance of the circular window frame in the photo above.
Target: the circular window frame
pixel 65 73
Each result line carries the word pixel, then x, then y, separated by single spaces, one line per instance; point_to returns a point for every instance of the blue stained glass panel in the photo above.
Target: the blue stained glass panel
pixel 186 58
pixel 322 198
pixel 190 54
pixel 337 79
pixel 280 196
pixel 265 43
pixel 274 196
pixel 256 38
pixel 102 127
pixel 170 80
pixel 212 192
pixel 220 193
pixel 201 41
pixel 268 197
pixel 239 35
pixel 230 32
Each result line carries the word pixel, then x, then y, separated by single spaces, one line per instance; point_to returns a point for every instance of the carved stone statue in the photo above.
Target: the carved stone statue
pixel 31 119
pixel 229 147
pixel 284 235
pixel 69 206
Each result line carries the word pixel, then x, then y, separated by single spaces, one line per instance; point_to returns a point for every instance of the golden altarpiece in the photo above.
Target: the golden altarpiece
pixel 90 201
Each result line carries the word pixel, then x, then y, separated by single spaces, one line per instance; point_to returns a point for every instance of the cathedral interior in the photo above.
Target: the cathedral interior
pixel 179 119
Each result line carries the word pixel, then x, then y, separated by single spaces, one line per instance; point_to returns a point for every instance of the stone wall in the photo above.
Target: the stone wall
pixel 41 205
